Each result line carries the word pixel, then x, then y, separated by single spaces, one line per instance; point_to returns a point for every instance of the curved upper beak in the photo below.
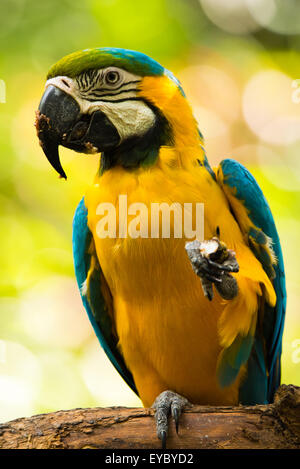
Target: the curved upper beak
pixel 55 118
pixel 59 121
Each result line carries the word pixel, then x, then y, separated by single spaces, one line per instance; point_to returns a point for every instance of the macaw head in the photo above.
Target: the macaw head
pixel 117 102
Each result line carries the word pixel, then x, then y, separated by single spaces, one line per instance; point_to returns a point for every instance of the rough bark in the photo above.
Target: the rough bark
pixel 273 426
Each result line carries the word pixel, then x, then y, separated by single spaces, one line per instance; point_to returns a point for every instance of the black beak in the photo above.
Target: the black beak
pixel 59 121
pixel 57 113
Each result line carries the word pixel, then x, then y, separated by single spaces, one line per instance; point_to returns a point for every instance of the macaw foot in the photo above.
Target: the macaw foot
pixel 168 402
pixel 213 263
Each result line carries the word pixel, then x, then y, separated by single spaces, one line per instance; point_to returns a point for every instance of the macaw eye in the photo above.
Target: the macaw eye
pixel 112 77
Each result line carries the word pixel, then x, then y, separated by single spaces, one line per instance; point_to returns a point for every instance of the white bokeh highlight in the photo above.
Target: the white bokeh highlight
pixel 268 108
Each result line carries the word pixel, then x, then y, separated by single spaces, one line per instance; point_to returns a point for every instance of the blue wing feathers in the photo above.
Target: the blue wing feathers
pixel 259 387
pixel 94 302
pixel 233 358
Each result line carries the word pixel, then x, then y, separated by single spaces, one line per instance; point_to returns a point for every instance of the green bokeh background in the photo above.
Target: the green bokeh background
pixel 238 70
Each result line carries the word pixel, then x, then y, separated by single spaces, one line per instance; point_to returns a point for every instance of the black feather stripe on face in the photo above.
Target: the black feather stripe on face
pixel 92 86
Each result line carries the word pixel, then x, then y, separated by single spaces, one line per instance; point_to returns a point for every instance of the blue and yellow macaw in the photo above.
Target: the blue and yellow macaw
pixel 172 340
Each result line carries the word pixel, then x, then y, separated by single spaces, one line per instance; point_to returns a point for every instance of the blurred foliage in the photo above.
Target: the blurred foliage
pixel 237 65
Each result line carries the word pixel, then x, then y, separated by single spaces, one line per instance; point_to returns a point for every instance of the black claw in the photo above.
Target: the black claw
pixel 168 402
pixel 208 275
pixel 227 268
pixel 212 278
pixel 176 415
pixel 163 437
pixel 209 295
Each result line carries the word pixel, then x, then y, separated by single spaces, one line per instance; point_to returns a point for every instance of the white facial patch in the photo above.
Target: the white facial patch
pixel 121 104
pixel 131 118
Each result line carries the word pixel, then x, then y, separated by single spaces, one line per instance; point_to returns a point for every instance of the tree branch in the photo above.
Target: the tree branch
pixel 271 426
